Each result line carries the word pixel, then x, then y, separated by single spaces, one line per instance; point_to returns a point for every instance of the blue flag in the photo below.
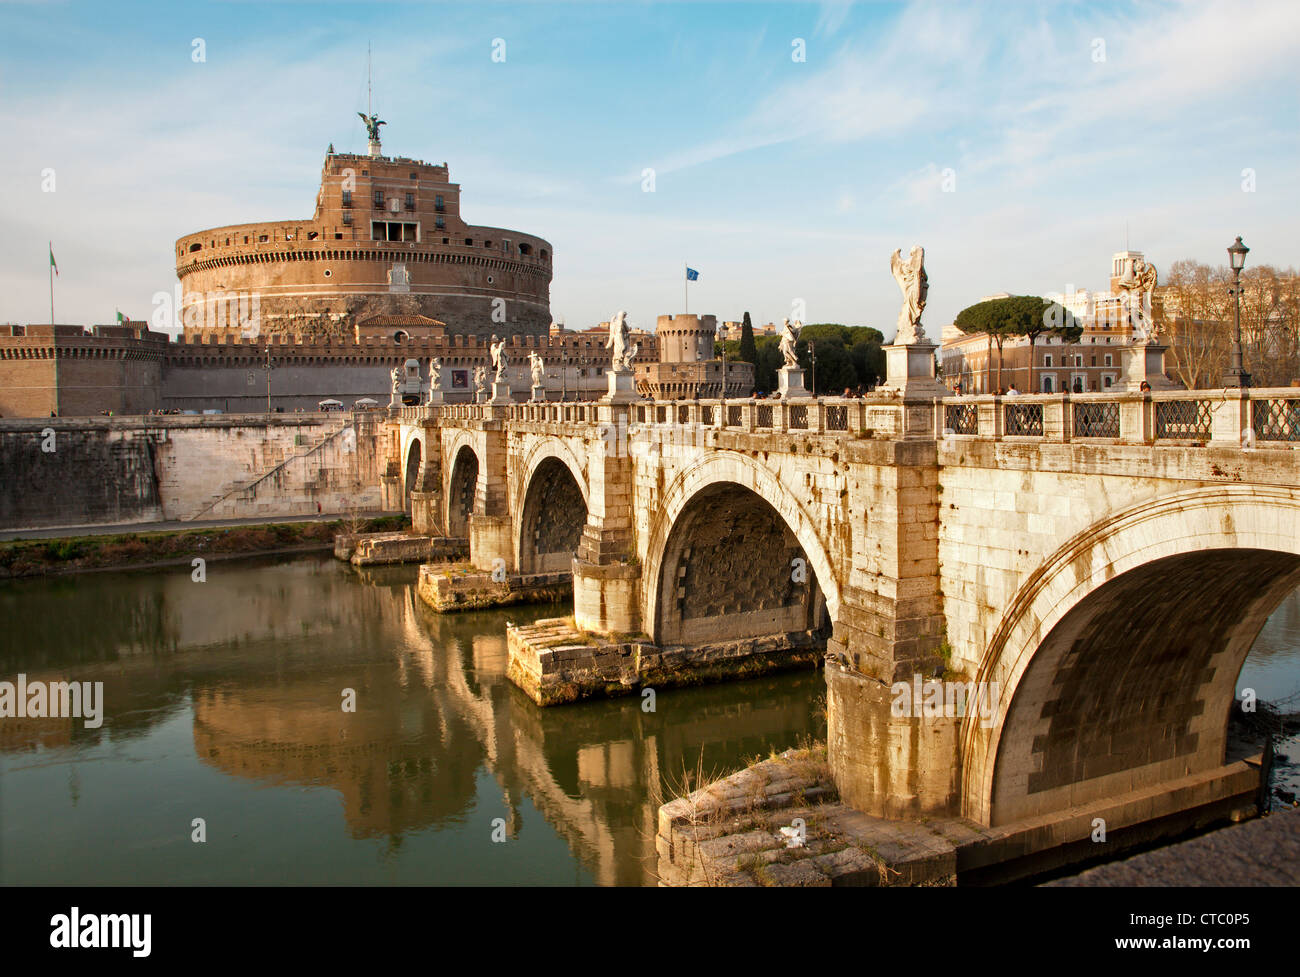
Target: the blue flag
pixel 692 274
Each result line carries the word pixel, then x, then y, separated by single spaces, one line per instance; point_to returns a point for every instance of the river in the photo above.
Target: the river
pixel 224 706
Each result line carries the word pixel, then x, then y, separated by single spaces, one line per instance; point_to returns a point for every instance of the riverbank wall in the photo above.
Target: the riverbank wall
pixel 144 550
pixel 101 471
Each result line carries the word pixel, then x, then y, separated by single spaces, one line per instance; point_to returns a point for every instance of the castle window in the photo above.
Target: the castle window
pixel 445 240
pixel 245 238
pixel 347 219
pixel 410 201
pixel 469 242
pixel 347 198
pixel 338 235
pixel 525 249
pixel 327 273
pixel 439 223
pixel 487 244
pixel 415 176
pixel 195 247
pixel 544 254
pixel 438 204
pixel 379 198
pixel 311 236
pixel 262 239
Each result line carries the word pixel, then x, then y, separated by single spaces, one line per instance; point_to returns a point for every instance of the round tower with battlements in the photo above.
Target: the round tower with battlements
pixel 386 238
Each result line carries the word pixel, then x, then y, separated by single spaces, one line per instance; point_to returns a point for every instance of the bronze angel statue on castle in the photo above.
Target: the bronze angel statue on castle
pixel 373 122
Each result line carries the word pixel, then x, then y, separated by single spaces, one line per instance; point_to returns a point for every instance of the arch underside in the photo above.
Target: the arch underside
pixel 414 462
pixel 461 489
pixel 733 569
pixel 1134 685
pixel 552 520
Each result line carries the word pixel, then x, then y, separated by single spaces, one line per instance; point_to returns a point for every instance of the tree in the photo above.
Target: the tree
pixel 748 348
pixel 1017 315
pixel 1194 314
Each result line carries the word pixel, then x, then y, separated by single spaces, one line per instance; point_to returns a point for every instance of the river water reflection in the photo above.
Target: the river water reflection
pixel 223 702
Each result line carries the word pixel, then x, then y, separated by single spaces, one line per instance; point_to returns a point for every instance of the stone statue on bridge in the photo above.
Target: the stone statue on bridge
pixel 480 382
pixel 619 334
pixel 499 359
pixel 1137 289
pixel 914 284
pixel 537 367
pixel 789 338
pixel 435 381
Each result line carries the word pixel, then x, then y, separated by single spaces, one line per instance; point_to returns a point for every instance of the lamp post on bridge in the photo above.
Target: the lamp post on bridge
pixel 1236 375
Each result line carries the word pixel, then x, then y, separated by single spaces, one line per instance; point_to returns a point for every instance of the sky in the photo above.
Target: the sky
pixel 1019 143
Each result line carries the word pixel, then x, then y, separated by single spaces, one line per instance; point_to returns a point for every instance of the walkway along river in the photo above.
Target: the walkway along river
pixel 224 702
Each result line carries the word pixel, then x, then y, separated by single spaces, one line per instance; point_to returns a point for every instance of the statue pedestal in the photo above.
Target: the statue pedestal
pixel 374 148
pixel 480 397
pixel 909 369
pixel 435 398
pixel 622 388
pixel 538 394
pixel 789 383
pixel 395 400
pixel 500 392
pixel 1145 362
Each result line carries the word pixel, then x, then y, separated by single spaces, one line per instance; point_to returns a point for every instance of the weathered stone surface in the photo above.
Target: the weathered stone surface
pixel 374 549
pixel 459 587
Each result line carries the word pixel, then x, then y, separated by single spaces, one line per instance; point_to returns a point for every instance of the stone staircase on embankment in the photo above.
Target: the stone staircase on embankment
pixel 279 489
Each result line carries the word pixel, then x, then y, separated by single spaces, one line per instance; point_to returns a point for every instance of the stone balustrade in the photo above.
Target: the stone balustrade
pixel 1249 418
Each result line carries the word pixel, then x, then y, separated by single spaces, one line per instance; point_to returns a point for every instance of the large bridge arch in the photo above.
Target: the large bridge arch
pixel 1117 661
pixel 415 457
pixel 550 505
pixel 721 472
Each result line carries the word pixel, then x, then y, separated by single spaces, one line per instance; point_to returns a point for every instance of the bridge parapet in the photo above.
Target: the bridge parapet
pixel 1248 418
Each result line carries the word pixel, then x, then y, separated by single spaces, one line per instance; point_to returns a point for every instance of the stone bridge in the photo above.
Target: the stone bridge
pixel 1096 567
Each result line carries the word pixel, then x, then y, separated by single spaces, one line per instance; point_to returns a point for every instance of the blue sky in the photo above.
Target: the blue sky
pixel 779 180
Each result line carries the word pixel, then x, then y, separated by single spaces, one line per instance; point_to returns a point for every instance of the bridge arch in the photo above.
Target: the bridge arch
pixel 414 458
pixel 1117 661
pixel 551 505
pixel 745 481
pixel 462 484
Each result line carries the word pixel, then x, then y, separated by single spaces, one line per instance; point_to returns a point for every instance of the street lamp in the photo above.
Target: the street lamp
pixel 1236 375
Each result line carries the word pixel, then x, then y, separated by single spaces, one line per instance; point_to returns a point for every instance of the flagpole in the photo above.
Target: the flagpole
pixel 686 289
pixel 51 243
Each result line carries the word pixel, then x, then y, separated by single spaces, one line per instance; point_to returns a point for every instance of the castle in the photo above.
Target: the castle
pixel 279 316
pixel 386 238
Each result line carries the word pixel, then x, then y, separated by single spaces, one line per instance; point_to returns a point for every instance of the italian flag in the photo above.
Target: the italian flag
pixel 53 264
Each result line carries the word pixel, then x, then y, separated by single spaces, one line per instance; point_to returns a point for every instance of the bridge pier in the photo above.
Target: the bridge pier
pixel 606 579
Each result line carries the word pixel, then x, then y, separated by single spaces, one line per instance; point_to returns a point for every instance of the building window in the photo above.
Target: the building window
pixel 438 204
pixel 347 218
pixel 469 242
pixel 439 223
pixel 379 198
pixel 1047 361
pixel 1108 360
pixel 1078 360
pixel 410 201
pixel 347 198
pixel 1094 361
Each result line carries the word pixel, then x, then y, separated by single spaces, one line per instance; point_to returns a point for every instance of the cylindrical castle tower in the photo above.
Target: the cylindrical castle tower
pixel 686 338
pixel 386 238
